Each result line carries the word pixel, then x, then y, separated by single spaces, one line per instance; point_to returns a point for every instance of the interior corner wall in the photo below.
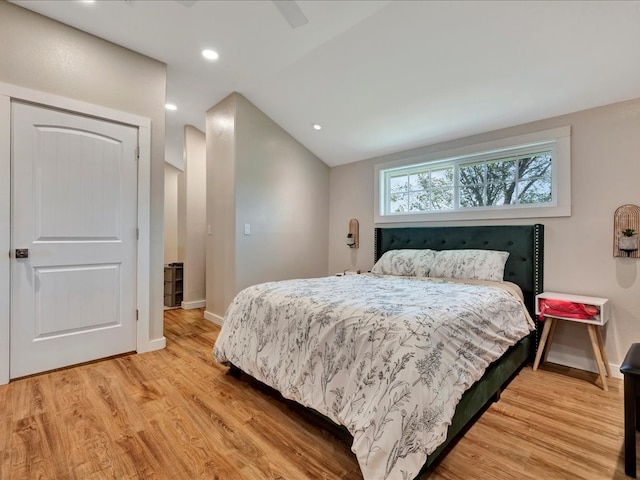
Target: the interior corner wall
pixel 605 171
pixel 181 217
pixel 171 175
pixel 282 193
pixel 351 196
pixel 42 54
pixel 220 208
pixel 174 148
pixel 261 177
pixel 195 217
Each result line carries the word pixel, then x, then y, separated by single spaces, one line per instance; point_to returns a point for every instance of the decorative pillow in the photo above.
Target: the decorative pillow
pixel 407 262
pixel 471 264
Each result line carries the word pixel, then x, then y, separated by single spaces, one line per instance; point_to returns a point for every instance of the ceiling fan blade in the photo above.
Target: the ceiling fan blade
pixel 291 12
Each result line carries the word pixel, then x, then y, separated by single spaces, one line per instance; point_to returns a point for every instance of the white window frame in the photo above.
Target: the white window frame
pixel 558 140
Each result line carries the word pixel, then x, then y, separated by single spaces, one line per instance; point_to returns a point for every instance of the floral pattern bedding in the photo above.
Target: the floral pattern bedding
pixel 388 357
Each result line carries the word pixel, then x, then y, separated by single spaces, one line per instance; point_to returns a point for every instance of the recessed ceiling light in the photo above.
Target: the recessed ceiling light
pixel 317 126
pixel 170 106
pixel 210 54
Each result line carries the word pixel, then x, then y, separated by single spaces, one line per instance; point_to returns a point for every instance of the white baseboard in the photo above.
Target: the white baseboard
pixel 151 345
pixel 213 318
pixel 615 371
pixel 582 363
pixel 194 304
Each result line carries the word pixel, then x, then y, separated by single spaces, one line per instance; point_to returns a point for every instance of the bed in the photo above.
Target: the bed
pixel 389 356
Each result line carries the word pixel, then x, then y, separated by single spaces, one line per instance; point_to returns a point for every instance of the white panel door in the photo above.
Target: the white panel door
pixel 74 208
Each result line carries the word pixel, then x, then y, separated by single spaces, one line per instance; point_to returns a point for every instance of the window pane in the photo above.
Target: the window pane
pixel 501 193
pixel 419 201
pixel 472 196
pixel 441 177
pixel 535 166
pixel 398 202
pixel 535 191
pixel 442 198
pixel 472 173
pixel 419 181
pixel 501 170
pixel 398 183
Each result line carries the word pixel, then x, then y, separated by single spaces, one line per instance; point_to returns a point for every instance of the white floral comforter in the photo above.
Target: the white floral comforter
pixel 387 357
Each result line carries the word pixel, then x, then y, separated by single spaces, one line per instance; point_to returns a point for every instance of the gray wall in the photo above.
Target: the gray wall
pixel 42 54
pixel 221 205
pixel 258 174
pixel 605 173
pixel 171 228
pixel 192 208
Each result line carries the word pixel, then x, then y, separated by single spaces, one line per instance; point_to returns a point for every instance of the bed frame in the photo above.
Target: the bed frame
pixel 525 244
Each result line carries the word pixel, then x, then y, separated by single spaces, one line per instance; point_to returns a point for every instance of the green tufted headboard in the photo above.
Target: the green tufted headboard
pixel 525 244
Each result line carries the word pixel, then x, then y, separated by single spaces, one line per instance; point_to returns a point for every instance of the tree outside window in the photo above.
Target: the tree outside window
pixel 506 181
pixel 503 181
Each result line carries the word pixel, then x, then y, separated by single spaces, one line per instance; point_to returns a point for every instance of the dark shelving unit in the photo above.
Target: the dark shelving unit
pixel 173 281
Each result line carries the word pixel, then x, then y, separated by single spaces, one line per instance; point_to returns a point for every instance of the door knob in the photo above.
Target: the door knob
pixel 22 253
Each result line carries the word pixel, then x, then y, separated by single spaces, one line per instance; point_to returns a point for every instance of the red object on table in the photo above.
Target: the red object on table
pixel 563 308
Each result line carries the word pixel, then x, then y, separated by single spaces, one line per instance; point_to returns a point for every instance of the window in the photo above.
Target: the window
pixel 525 176
pixel 421 189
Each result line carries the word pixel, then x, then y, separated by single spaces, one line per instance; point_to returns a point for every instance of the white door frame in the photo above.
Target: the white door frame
pixel 7 93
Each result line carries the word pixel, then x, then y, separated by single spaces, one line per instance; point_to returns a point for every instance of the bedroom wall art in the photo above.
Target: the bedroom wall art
pixel 626 225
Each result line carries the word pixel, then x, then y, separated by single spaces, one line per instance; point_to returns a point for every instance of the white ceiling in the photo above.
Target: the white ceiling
pixel 379 76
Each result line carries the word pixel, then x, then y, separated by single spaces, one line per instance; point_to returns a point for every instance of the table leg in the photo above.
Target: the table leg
pixel 548 323
pixel 596 351
pixel 605 359
pixel 552 332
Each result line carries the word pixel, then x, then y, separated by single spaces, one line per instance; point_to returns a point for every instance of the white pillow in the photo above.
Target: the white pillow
pixel 471 264
pixel 406 262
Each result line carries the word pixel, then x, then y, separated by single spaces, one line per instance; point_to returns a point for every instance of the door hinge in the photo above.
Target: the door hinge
pixel 136 315
pixel 137 234
pixel 138 152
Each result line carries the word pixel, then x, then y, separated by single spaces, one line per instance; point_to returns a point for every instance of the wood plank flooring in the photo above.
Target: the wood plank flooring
pixel 177 414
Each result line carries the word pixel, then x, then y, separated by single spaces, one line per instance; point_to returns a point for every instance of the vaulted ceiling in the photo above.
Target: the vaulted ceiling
pixel 378 76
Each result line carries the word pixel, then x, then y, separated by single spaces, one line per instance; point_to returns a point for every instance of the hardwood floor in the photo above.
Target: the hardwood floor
pixel 176 414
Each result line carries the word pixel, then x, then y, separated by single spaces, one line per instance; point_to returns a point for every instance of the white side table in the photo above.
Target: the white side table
pixel 593 327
